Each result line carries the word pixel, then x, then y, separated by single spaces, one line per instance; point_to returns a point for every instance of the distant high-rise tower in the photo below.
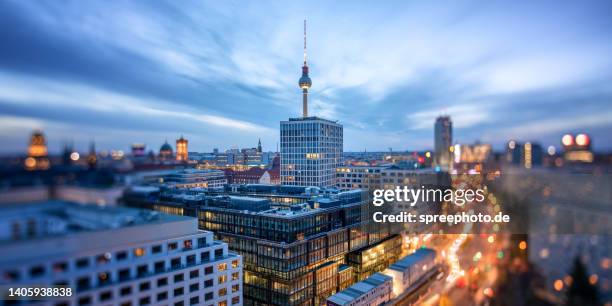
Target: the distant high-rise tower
pixel 305 81
pixel 443 140
pixel 311 147
pixel 37 152
pixel 181 149
pixel 259 146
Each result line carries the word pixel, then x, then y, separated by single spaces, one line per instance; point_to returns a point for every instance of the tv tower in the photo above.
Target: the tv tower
pixel 305 81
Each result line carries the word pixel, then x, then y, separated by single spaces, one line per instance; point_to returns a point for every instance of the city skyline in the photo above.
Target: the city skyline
pixel 159 71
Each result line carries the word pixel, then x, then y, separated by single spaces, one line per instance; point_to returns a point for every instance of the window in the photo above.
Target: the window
pixel 235 276
pixel 85 301
pixel 191 260
pixel 83 283
pixel 125 291
pixel 162 281
pixel 162 296
pixel 208 296
pixel 218 253
pixel 194 287
pixel 142 270
pixel 194 300
pixel 194 273
pixel 156 249
pixel 178 291
pixel 222 267
pixel 235 288
pixel 82 263
pixel 208 283
pixel 179 303
pixel 121 255
pixel 37 271
pixel 60 267
pixel 204 256
pixel 187 244
pixel 222 303
pixel 235 300
pixel 103 278
pixel 128 303
pixel 138 252
pixel 172 246
pixel 145 301
pixel 11 276
pixel 222 279
pixel 160 266
pixel 175 263
pixel 103 258
pixel 208 270
pixel 124 274
pixel 201 242
pixel 145 286
pixel 222 292
pixel 178 277
pixel 235 263
pixel 106 295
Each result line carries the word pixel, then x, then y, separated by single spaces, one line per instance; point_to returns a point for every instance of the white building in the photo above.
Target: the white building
pixel 311 150
pixel 373 291
pixel 116 256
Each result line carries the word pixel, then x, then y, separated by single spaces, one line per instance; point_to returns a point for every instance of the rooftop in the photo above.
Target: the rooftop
pixel 352 293
pixel 60 218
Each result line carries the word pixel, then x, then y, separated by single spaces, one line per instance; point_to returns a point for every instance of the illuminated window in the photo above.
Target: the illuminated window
pixel 222 267
pixel 222 292
pixel 139 252
pixel 234 264
pixel 222 279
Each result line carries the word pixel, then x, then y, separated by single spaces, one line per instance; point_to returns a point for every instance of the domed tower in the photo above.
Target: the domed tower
pixel 305 81
pixel 165 152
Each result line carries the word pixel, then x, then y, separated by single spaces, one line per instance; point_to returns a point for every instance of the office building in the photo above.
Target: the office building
pixel 116 256
pixel 311 147
pixel 443 140
pixel 300 244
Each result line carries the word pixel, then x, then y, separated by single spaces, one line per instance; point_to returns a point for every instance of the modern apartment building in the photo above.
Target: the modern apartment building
pixel 115 256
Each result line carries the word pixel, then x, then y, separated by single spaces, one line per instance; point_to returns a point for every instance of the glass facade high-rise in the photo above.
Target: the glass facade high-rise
pixel 311 150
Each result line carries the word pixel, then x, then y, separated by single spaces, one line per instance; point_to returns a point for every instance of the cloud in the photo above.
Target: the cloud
pixel 463 116
pixel 233 67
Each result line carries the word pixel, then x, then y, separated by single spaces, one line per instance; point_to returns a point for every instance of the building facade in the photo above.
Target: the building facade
pixel 443 140
pixel 300 245
pixel 311 150
pixel 116 256
pixel 182 153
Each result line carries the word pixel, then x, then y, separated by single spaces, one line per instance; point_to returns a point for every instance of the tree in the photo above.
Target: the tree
pixel 581 292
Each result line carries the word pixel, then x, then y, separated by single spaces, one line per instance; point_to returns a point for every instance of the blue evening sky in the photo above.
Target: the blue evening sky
pixel 225 73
